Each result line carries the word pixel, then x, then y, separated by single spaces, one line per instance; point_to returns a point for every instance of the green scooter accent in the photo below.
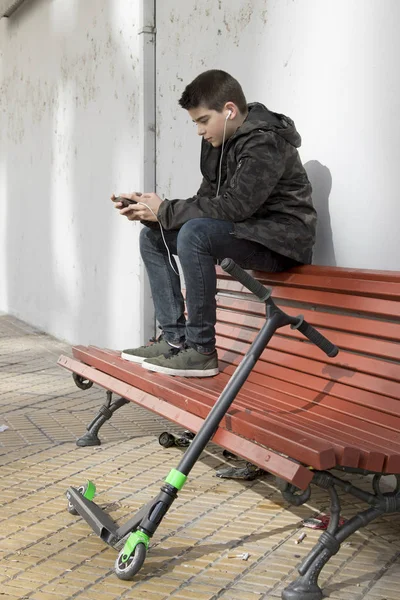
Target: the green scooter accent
pixel 90 490
pixel 176 478
pixel 137 537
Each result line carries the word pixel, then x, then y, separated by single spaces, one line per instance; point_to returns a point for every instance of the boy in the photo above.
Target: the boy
pixel 254 206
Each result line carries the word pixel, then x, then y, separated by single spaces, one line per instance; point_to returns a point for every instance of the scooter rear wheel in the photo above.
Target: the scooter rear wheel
pixel 82 489
pixel 166 439
pixel 82 382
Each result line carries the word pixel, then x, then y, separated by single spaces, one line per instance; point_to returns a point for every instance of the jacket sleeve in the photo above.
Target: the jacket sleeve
pixel 260 165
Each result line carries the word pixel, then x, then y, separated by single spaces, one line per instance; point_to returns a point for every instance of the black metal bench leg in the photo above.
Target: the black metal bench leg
pixel 306 586
pixel 105 413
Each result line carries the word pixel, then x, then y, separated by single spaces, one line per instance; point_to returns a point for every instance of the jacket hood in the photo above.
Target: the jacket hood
pixel 259 117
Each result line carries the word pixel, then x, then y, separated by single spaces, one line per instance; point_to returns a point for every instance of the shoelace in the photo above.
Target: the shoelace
pixel 153 340
pixel 174 351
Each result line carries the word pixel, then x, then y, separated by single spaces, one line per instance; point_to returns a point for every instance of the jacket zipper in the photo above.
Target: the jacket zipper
pixel 235 176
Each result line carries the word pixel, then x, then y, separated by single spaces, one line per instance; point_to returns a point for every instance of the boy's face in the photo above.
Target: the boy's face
pixel 210 124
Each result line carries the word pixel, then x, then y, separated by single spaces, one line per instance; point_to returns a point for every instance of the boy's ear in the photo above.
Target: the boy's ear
pixel 230 110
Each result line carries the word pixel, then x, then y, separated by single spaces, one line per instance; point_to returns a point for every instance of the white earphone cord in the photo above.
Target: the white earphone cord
pixel 218 187
pixel 163 237
pixel 220 160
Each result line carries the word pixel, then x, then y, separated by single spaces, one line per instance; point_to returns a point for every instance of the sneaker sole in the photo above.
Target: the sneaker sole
pixel 181 372
pixel 132 358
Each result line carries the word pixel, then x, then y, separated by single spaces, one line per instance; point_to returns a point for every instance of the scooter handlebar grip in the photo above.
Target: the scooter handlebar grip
pixel 254 286
pixel 318 339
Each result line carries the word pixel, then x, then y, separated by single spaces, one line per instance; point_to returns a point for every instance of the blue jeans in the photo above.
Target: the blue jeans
pixel 197 244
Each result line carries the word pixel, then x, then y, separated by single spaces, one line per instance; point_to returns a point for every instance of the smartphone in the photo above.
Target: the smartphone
pixel 125 202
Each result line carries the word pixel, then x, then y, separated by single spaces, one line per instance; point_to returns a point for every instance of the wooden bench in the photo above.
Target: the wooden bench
pixel 300 414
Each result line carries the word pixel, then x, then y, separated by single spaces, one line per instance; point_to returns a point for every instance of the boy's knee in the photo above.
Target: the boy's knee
pixel 192 233
pixel 148 237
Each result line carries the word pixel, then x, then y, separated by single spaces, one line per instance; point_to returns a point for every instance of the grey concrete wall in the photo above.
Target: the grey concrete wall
pixel 70 135
pixel 75 123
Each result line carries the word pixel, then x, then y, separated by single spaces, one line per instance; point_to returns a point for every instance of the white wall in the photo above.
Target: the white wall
pixel 70 135
pixel 72 130
pixel 332 66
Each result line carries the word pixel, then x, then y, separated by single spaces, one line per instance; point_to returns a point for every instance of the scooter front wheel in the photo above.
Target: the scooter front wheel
pixel 127 569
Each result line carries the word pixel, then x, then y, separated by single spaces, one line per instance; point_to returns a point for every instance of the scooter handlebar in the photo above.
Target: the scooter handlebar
pixel 254 286
pixel 263 293
pixel 317 338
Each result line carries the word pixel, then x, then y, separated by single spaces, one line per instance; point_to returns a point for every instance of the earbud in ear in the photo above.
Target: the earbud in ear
pixel 228 115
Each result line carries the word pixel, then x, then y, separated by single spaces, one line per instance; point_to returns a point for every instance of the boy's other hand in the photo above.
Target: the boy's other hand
pixel 114 199
pixel 139 212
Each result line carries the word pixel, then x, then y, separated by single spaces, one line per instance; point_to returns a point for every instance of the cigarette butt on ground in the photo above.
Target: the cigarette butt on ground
pixel 300 538
pixel 243 556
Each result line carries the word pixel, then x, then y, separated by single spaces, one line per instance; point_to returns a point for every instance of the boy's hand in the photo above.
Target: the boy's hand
pixel 134 196
pixel 139 212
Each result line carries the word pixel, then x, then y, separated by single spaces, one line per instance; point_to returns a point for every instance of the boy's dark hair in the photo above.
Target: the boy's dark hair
pixel 213 89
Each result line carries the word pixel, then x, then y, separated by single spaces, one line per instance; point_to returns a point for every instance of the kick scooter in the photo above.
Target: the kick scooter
pixel 132 539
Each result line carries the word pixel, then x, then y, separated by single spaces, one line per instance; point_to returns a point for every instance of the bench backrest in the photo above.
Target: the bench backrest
pixel 359 311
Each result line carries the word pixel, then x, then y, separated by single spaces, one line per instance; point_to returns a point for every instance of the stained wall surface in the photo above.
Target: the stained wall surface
pixel 69 137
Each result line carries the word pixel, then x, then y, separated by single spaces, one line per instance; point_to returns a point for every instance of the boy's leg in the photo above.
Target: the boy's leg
pixel 166 291
pixel 200 242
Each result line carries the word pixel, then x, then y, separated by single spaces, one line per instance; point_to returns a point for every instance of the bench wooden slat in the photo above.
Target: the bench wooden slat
pixel 261 399
pixel 347 442
pixel 381 330
pixel 331 372
pixel 352 304
pixel 344 341
pixel 324 272
pixel 298 346
pixel 356 287
pixel 363 398
pixel 377 426
pixel 391 465
pixel 349 454
pixel 180 393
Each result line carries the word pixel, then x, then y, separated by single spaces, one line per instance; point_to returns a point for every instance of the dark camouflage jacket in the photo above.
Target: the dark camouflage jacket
pixel 264 189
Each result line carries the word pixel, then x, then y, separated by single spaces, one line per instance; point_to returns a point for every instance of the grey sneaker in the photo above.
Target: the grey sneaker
pixel 138 355
pixel 185 362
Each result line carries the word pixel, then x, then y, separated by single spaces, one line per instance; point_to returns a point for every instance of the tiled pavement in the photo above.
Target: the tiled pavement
pixel 48 554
